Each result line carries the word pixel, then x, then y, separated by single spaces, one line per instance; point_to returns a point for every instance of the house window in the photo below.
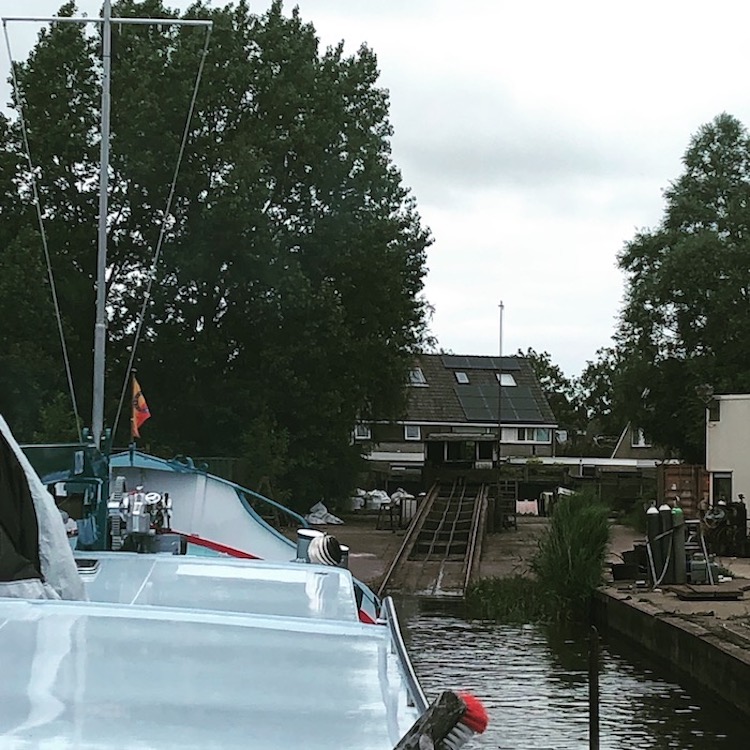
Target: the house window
pixel 721 482
pixel 639 439
pixel 534 435
pixel 462 377
pixel 714 410
pixel 435 453
pixel 416 377
pixel 460 450
pixel 362 432
pixel 412 432
pixel 505 378
pixel 484 451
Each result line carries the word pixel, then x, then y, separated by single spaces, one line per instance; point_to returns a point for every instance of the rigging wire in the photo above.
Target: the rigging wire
pixel 163 230
pixel 40 221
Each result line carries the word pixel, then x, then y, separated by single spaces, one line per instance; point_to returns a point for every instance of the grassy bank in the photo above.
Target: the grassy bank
pixel 566 568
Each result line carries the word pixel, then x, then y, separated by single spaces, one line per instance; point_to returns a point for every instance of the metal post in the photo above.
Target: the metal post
pixel 500 348
pixel 594 689
pixel 100 326
pixel 500 386
pixel 500 503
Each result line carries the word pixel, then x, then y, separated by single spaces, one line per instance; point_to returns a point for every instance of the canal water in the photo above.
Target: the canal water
pixel 534 683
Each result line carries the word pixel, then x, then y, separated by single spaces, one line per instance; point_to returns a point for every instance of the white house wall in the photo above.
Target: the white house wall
pixel 728 442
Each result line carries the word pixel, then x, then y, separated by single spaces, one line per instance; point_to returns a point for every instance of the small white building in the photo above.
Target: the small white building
pixel 728 446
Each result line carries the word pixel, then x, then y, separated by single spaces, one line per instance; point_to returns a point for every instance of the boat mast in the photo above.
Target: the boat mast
pixel 100 324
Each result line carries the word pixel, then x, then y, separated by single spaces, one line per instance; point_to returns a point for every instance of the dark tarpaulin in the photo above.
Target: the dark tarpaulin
pixel 19 531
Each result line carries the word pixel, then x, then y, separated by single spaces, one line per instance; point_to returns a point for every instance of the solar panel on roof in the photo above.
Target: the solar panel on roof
pixel 461 362
pixel 479 403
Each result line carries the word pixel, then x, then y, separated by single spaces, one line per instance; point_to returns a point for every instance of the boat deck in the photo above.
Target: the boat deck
pixel 219 584
pixel 90 675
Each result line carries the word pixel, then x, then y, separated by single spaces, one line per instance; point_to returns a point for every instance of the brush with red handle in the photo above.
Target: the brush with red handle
pixel 474 721
pixel 447 724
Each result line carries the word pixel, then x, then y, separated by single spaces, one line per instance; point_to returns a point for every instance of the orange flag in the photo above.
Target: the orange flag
pixel 140 410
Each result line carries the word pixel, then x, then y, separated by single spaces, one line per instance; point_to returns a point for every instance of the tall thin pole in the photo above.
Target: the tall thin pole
pixel 500 349
pixel 500 387
pixel 100 326
pixel 501 506
pixel 594 689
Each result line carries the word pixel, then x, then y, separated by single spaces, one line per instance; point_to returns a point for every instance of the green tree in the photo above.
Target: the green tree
pixel 559 390
pixel 287 297
pixel 686 317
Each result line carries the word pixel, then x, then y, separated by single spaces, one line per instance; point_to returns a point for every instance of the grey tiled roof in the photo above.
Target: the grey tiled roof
pixel 445 400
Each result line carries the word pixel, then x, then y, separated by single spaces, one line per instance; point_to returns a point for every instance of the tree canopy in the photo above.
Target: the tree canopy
pixel 286 302
pixel 559 390
pixel 686 318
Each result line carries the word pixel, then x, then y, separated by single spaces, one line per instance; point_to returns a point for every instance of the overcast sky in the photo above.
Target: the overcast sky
pixel 537 137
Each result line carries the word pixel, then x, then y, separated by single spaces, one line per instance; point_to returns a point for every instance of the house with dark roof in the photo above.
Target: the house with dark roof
pixel 456 406
pixel 634 442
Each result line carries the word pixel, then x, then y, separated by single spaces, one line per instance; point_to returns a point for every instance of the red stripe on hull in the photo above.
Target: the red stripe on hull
pixel 217 547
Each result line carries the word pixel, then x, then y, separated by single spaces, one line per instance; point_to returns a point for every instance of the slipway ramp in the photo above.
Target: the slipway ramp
pixel 441 550
pixel 208 506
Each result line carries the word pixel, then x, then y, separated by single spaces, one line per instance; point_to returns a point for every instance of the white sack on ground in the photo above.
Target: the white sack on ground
pixel 319 515
pixel 376 498
pixel 401 494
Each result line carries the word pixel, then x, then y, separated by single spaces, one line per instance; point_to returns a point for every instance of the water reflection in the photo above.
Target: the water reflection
pixel 534 683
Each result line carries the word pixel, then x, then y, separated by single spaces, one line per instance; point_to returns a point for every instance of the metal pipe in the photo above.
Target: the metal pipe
pixel 100 326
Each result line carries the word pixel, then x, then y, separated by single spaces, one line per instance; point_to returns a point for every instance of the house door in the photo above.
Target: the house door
pixel 721 487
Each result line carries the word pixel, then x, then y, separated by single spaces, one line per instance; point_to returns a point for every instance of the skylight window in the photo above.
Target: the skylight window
pixel 416 377
pixel 462 377
pixel 505 378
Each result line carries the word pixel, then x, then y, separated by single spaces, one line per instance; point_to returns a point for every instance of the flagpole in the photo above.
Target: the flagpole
pixel 132 408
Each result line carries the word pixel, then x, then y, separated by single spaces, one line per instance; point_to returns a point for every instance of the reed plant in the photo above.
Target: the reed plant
pixel 513 600
pixel 569 562
pixel 566 569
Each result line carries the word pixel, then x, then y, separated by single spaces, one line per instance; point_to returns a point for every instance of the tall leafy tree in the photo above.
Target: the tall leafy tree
pixel 287 299
pixel 686 318
pixel 559 390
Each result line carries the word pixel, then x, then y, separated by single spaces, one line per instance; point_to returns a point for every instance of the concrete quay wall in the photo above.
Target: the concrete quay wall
pixel 705 655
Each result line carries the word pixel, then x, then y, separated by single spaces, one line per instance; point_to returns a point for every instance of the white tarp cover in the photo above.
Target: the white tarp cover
pixel 58 567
